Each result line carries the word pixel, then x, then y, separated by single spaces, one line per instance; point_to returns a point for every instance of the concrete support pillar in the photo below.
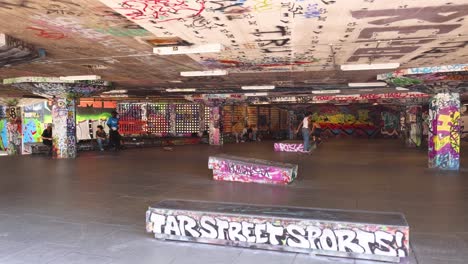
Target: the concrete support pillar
pixel 216 128
pixel 13 126
pixel 413 137
pixel 291 128
pixel 64 128
pixel 444 131
pixel 202 118
pixel 172 120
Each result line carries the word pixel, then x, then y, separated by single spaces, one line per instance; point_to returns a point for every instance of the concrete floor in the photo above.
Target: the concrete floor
pixel 92 209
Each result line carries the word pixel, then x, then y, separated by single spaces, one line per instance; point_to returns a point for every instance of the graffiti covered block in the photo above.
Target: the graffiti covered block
pixel 289 146
pixel 234 168
pixel 357 234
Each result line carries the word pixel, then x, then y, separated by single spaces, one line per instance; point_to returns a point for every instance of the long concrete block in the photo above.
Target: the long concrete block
pixel 234 168
pixel 379 236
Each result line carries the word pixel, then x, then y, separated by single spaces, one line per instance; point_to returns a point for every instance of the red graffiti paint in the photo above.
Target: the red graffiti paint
pixel 162 10
pixel 47 34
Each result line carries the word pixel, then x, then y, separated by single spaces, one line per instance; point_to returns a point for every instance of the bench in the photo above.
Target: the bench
pixel 368 235
pixel 290 146
pixel 234 168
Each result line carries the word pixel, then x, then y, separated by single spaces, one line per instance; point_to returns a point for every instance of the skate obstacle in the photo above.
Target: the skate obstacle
pixel 241 169
pixel 290 146
pixel 367 235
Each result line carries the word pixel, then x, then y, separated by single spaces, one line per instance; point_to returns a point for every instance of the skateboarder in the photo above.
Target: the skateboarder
pixel 305 131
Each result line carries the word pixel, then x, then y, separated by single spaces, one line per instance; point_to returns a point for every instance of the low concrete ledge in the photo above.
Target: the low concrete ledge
pixel 234 168
pixel 353 234
pixel 290 146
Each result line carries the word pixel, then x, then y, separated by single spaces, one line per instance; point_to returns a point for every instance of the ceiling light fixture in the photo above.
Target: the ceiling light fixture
pixel 175 50
pixel 256 94
pixel 326 91
pixel 115 92
pixel 204 73
pixel 369 84
pixel 175 90
pixel 264 87
pixel 401 89
pixel 80 78
pixel 366 90
pixel 359 67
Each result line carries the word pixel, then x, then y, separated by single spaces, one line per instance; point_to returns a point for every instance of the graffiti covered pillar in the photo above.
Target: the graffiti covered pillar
pixel 14 135
pixel 414 126
pixel 64 128
pixel 201 118
pixel 216 131
pixel 291 123
pixel 444 131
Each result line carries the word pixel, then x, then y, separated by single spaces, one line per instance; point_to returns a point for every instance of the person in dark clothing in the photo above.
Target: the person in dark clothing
pixel 47 137
pixel 114 136
pixel 101 137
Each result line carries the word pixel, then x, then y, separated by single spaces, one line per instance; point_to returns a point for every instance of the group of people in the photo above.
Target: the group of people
pixel 101 136
pixel 308 129
pixel 247 133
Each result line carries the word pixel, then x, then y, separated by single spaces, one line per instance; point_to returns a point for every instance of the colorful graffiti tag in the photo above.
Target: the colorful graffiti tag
pixel 444 131
pixel 289 146
pixel 356 120
pixel 325 232
pixel 64 128
pixel 233 168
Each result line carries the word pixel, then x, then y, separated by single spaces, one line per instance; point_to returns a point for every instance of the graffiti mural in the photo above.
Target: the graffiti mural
pixel 444 131
pixel 289 146
pixel 13 127
pixel 233 168
pixel 259 35
pixel 306 230
pixel 15 51
pixel 355 120
pixel 64 128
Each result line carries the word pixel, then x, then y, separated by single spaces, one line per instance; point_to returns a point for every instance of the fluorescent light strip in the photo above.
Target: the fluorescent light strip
pixel 115 92
pixel 401 89
pixel 256 94
pixel 204 73
pixel 326 91
pixel 366 90
pixel 175 90
pixel 358 67
pixel 370 84
pixel 80 78
pixel 205 48
pixel 264 87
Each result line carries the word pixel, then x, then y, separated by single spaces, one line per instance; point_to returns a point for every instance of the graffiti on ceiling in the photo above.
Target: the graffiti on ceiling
pixel 288 35
pixel 14 51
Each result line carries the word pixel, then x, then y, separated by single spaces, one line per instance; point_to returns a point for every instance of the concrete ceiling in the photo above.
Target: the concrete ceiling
pixel 267 42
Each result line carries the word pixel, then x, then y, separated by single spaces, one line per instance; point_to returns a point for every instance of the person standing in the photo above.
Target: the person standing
pixel 47 137
pixel 101 137
pixel 305 131
pixel 316 133
pixel 114 136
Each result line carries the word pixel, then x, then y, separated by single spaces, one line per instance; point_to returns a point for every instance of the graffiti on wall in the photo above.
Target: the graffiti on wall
pixel 444 131
pixel 274 233
pixel 355 120
pixel 14 131
pixel 64 128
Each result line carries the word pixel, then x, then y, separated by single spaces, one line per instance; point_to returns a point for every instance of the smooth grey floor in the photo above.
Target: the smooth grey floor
pixel 92 209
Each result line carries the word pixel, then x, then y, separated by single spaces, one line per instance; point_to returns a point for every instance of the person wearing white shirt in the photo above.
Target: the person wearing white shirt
pixel 305 131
